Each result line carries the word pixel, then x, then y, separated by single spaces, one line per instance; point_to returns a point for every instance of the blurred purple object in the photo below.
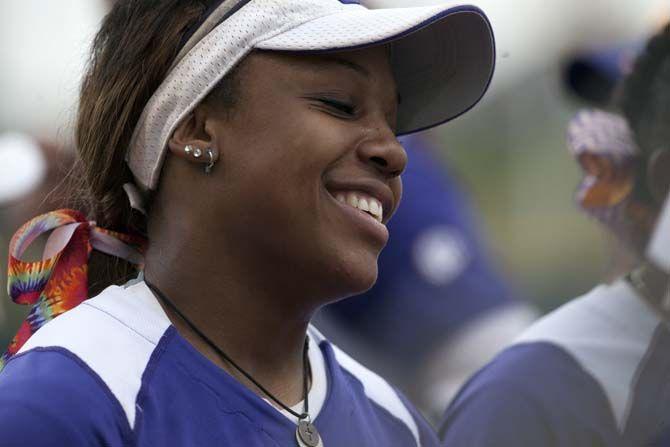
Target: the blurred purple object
pixel 593 76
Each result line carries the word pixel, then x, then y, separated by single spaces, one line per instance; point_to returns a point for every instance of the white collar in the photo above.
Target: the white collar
pixel 319 389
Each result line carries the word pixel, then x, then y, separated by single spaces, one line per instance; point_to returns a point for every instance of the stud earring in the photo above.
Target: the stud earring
pixel 210 165
pixel 188 150
pixel 197 152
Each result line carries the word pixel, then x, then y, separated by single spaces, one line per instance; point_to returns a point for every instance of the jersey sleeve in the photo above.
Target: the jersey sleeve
pixel 49 397
pixel 496 415
pixel 427 435
pixel 532 394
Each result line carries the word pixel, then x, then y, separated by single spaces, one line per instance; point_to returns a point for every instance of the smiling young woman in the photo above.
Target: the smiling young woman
pixel 242 155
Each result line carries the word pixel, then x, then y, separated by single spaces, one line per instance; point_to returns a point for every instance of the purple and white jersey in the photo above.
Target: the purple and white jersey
pixel 114 372
pixel 592 373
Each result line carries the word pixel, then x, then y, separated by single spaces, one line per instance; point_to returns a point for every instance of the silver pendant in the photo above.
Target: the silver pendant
pixel 307 435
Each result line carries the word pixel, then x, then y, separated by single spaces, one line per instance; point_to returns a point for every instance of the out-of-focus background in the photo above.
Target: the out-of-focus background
pixel 509 152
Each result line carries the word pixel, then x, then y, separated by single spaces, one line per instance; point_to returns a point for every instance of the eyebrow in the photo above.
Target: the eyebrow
pixel 349 64
pixel 355 67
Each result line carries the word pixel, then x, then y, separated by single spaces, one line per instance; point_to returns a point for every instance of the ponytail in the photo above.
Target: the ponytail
pixel 130 57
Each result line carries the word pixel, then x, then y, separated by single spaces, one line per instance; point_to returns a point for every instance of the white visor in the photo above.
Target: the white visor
pixel 659 247
pixel 443 59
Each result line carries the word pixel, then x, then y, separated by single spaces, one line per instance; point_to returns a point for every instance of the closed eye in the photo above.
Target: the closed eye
pixel 339 106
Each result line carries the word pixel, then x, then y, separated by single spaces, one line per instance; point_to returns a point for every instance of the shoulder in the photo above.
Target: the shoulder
pixel 130 312
pixel 376 391
pixel 531 394
pixel 595 316
pixel 48 396
pixel 618 340
pixel 114 336
pixel 586 369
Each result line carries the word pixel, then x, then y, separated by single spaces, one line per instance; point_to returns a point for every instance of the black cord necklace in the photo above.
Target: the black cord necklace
pixel 306 434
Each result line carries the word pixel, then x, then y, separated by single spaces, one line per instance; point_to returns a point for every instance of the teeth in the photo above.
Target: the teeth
pixel 362 202
pixel 374 208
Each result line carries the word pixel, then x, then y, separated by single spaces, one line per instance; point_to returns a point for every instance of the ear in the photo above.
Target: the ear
pixel 194 132
pixel 658 175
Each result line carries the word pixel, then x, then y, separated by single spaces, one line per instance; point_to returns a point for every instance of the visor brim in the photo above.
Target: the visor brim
pixel 443 57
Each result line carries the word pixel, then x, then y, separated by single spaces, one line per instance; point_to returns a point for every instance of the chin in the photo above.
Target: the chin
pixel 357 274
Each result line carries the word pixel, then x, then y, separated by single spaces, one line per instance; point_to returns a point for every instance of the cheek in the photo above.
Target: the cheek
pixel 396 189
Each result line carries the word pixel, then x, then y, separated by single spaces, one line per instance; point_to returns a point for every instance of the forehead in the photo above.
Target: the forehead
pixel 369 64
pixel 371 67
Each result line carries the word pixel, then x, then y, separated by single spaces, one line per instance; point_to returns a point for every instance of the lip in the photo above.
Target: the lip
pixel 375 188
pixel 363 221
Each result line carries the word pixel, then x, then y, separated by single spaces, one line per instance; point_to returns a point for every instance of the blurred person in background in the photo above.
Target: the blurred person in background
pixel 594 78
pixel 440 309
pixel 594 372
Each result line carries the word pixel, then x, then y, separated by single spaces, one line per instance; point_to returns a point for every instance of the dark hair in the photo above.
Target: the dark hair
pixel 645 102
pixel 130 57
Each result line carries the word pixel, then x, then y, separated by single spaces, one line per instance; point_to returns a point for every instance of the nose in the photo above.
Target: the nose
pixel 384 153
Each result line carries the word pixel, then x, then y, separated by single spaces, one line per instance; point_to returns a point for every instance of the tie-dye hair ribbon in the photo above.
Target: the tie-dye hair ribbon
pixel 59 281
